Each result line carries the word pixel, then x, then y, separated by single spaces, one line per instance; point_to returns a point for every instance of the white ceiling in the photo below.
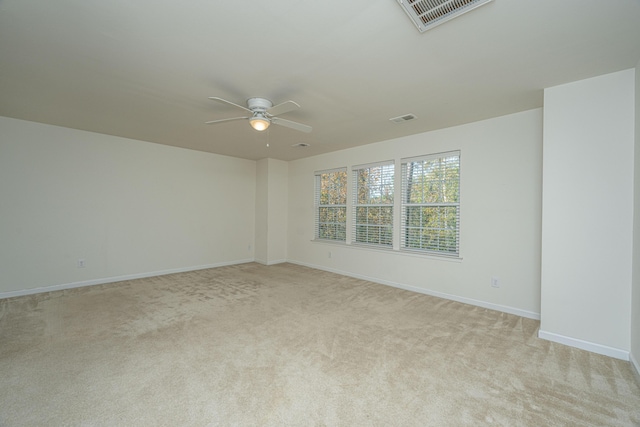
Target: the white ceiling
pixel 143 69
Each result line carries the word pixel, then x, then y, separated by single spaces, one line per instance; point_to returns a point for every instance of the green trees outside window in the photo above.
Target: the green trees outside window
pixel 431 203
pixel 331 205
pixel 373 209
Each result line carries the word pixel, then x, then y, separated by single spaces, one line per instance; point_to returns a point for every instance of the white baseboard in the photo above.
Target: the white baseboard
pixel 470 301
pixel 114 279
pixel 263 262
pixel 584 345
pixel 635 366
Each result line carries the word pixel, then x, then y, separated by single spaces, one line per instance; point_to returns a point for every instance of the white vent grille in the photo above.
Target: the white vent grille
pixel 427 14
pixel 404 118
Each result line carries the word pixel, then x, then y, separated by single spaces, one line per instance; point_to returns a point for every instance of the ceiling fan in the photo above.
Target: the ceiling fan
pixel 263 113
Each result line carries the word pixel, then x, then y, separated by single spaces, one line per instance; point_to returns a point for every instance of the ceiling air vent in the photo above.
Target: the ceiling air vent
pixel 427 14
pixel 404 118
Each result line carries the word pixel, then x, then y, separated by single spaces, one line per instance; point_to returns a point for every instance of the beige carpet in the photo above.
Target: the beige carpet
pixel 251 345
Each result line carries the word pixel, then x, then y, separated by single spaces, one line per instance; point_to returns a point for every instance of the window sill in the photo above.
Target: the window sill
pixel 449 258
pixel 330 242
pixel 401 252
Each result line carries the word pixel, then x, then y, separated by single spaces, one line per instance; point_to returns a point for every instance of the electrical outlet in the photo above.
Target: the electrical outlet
pixel 329 254
pixel 495 282
pixel 81 263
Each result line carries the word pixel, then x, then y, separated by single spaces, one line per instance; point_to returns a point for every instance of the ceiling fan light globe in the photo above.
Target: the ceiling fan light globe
pixel 259 123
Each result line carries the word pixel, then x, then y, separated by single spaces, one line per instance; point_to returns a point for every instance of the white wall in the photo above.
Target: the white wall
pixel 262 211
pixel 501 166
pixel 635 292
pixel 278 216
pixel 588 213
pixel 271 211
pixel 127 207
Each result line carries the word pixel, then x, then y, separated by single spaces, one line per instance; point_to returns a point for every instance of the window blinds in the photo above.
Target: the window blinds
pixel 373 204
pixel 331 205
pixel 430 219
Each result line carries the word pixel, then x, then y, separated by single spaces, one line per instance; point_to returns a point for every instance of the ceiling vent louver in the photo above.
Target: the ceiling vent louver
pixel 427 14
pixel 403 118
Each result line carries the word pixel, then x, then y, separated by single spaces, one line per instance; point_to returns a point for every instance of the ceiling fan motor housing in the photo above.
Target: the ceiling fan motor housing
pixel 259 104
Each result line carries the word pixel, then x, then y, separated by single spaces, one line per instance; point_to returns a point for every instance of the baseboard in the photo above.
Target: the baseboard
pixel 470 301
pixel 114 279
pixel 263 262
pixel 585 345
pixel 635 367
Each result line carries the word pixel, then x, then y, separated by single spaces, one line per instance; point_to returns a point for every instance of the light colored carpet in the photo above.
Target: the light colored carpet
pixel 288 345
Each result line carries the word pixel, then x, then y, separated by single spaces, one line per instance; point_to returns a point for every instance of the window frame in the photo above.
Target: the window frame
pixel 407 206
pixel 385 220
pixel 319 206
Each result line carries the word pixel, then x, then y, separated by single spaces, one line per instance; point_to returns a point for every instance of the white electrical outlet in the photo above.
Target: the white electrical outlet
pixel 495 282
pixel 81 263
pixel 329 254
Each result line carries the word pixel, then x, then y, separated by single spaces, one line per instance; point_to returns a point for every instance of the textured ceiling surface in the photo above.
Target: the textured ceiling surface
pixel 144 69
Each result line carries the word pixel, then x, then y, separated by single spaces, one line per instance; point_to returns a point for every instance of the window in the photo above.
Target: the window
pixel 331 205
pixel 431 203
pixel 373 204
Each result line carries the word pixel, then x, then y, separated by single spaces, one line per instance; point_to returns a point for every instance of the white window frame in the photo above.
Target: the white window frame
pixel 322 221
pixel 379 233
pixel 443 240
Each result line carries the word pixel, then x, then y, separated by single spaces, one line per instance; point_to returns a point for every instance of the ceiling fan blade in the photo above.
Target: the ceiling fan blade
pixel 291 125
pixel 215 98
pixel 225 120
pixel 285 107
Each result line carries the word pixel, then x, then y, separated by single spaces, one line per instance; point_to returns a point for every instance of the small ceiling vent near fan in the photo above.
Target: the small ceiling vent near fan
pixel 403 118
pixel 427 14
pixel 262 113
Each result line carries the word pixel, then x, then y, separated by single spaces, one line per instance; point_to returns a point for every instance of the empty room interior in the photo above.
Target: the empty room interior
pixel 399 212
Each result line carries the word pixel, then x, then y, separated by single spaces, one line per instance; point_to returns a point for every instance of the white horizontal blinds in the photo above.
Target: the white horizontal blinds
pixel 373 204
pixel 431 203
pixel 331 205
